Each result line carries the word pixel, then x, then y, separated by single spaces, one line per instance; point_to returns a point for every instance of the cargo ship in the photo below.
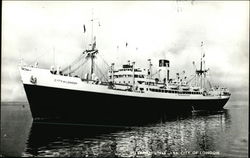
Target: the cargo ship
pixel 126 94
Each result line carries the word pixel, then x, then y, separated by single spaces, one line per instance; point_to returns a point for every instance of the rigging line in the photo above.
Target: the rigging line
pixel 211 78
pixel 104 61
pixel 76 67
pixel 79 66
pixel 69 66
pixel 72 66
pixel 99 70
pixel 105 69
pixel 80 63
pixel 103 76
pixel 37 58
pixel 74 62
pixel 84 62
pixel 210 85
pixel 190 79
pixel 156 73
pixel 81 73
pixel 208 80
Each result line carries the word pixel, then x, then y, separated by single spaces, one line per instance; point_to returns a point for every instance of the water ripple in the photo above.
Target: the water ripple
pixel 223 134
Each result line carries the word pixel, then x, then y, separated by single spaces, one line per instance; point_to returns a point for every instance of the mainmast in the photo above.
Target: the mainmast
pixel 92 21
pixel 200 78
pixel 91 53
pixel 201 72
pixel 201 65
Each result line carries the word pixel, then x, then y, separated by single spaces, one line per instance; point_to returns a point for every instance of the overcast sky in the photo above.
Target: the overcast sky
pixel 170 29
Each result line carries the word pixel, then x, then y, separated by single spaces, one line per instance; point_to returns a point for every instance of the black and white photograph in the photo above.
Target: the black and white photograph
pixel 125 79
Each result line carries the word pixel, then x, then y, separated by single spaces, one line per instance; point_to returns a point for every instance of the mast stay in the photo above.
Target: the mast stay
pixel 90 54
pixel 200 77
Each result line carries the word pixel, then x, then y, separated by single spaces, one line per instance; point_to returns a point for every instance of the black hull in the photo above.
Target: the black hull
pixel 89 107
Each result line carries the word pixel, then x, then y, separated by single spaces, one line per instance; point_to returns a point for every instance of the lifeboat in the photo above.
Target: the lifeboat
pixel 173 87
pixel 185 87
pixel 196 88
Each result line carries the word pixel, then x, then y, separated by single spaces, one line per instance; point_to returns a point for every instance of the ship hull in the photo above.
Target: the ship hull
pixel 101 108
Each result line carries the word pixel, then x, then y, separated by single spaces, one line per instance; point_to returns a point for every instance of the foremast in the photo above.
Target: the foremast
pixel 201 73
pixel 89 54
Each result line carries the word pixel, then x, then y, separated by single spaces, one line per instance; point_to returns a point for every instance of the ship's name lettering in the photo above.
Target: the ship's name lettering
pixel 62 81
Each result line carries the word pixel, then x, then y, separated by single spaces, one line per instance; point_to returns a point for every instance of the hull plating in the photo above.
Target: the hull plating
pixel 90 107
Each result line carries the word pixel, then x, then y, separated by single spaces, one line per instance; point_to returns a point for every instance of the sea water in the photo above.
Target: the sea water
pixel 217 134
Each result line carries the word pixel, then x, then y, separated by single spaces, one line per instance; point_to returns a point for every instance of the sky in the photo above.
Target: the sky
pixel 51 32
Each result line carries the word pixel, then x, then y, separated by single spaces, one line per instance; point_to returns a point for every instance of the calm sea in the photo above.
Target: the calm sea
pixel 219 134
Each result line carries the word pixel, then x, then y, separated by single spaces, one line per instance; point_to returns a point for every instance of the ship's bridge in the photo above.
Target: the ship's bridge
pixel 126 75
